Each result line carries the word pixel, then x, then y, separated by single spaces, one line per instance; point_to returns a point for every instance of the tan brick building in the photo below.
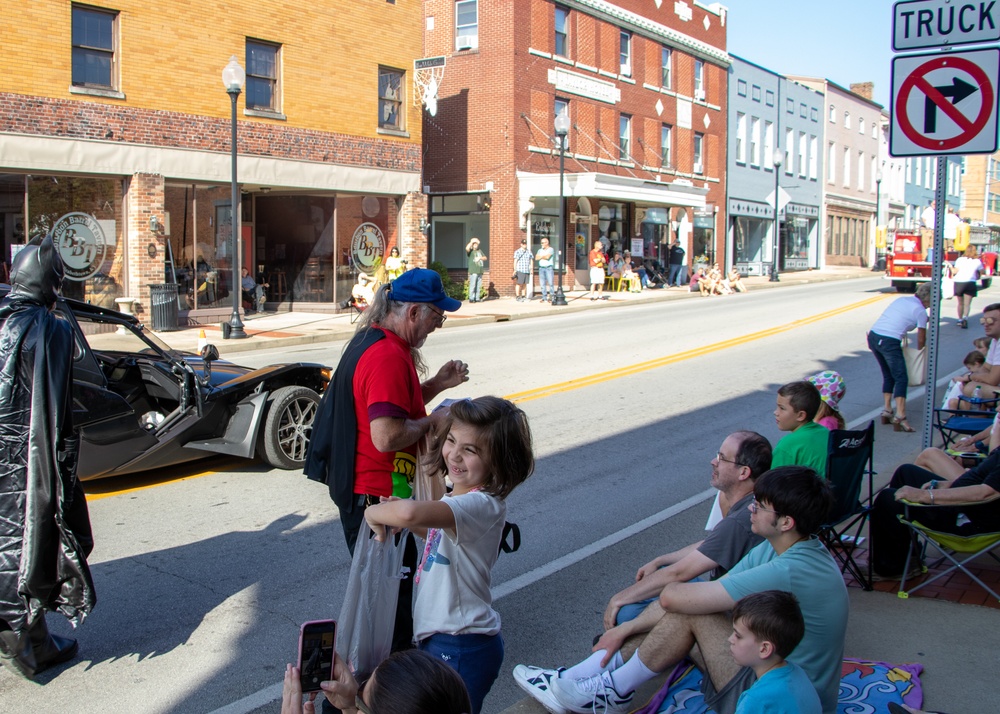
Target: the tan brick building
pixel 118 111
pixel 981 189
pixel 644 85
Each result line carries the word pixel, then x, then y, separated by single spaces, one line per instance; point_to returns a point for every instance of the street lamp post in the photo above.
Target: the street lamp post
pixel 562 130
pixel 776 160
pixel 878 213
pixel 233 77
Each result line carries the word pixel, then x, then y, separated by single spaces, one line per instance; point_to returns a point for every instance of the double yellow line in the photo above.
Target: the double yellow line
pixel 553 389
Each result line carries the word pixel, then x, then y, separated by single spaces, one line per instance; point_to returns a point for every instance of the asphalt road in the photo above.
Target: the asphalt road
pixel 204 574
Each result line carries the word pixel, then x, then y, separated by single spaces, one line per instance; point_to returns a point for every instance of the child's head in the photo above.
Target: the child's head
pixel 974 360
pixel 766 625
pixel 798 403
pixel 982 344
pixel 831 389
pixel 487 438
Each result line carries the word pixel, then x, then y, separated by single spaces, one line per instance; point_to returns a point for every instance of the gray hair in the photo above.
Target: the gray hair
pixel 923 293
pixel 383 309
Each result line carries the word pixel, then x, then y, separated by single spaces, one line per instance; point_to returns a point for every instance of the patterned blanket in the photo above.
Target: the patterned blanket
pixel 865 688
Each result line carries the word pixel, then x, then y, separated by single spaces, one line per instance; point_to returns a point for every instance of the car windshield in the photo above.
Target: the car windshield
pixel 107 337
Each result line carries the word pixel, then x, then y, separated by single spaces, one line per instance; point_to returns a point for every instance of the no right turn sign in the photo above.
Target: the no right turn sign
pixel 945 103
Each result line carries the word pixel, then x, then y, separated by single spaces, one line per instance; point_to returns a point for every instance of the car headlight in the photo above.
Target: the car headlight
pixel 327 374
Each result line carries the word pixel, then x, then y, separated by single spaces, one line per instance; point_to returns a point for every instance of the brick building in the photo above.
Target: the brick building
pixel 118 112
pixel 645 88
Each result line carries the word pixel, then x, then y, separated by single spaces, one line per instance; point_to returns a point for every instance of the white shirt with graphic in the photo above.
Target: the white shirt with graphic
pixel 453 581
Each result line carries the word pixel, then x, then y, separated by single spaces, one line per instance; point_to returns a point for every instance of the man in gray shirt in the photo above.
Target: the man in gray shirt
pixel 743 456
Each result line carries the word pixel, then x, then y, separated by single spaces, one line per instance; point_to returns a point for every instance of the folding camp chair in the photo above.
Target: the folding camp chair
pixel 951 547
pixel 952 423
pixel 850 457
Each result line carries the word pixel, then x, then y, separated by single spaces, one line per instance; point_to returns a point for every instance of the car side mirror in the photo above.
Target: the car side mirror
pixel 209 353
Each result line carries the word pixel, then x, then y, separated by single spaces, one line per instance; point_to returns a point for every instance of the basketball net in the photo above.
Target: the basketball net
pixel 425 87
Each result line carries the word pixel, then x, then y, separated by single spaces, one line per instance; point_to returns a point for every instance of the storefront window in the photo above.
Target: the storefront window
pixel 703 241
pixel 198 224
pixel 581 240
pixel 456 220
pixel 84 216
pixel 750 236
pixel 795 232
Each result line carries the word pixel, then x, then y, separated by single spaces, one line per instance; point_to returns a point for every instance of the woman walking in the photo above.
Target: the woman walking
pixel 885 340
pixel 968 268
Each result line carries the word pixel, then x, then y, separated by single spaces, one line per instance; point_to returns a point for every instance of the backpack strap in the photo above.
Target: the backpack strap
pixel 510 529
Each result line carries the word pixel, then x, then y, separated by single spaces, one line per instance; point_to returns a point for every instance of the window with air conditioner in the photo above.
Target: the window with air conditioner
pixel 466 25
pixel 625 53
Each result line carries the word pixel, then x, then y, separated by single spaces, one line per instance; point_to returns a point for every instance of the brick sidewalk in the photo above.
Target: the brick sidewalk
pixel 956 587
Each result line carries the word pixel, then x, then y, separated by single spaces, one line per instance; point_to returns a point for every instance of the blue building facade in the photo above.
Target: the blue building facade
pixel 920 176
pixel 769 113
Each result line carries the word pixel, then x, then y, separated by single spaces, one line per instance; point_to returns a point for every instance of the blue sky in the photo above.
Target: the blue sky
pixel 847 41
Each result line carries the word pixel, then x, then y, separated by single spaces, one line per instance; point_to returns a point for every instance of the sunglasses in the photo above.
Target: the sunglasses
pixel 987 320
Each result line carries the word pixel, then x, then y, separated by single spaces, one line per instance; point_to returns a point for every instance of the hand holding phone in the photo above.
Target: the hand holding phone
pixel 317 640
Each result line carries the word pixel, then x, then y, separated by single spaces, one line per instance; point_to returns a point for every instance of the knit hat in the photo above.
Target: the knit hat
pixel 831 387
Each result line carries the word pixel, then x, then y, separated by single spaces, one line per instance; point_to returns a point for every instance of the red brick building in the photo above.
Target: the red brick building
pixel 644 85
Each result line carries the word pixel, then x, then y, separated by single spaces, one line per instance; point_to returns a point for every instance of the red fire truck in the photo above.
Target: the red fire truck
pixel 907 265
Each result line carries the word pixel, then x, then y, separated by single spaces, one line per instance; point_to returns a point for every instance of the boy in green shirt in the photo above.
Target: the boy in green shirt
pixel 808 442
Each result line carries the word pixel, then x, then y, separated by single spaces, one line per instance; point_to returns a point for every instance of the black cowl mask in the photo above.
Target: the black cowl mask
pixel 37 273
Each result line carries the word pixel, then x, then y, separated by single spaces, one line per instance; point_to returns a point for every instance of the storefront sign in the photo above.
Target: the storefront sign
pixel 368 247
pixel 704 221
pixel 584 86
pixel 637 248
pixel 80 241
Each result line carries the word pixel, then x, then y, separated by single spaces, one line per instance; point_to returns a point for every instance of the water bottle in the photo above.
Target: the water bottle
pixel 977 394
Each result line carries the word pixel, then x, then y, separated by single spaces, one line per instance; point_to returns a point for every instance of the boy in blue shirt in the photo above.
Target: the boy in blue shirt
pixel 808 442
pixel 767 627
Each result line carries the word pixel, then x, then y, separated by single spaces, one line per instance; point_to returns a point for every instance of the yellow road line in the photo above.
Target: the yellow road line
pixel 151 482
pixel 552 389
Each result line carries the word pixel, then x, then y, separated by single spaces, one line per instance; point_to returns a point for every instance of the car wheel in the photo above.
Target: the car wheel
pixel 287 427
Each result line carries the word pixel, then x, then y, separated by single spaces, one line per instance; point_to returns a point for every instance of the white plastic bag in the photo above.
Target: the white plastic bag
pixel 916 365
pixel 365 628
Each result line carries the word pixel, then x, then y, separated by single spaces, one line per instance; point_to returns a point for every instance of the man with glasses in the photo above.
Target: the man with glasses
pixel 791 504
pixel 743 456
pixel 372 417
pixel 987 381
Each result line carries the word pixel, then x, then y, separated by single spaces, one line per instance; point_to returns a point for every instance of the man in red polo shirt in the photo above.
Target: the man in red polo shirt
pixel 372 418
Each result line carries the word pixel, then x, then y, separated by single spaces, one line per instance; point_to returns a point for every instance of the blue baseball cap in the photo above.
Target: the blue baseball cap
pixel 422 285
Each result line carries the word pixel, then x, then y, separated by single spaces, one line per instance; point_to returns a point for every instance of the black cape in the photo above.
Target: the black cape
pixel 45 533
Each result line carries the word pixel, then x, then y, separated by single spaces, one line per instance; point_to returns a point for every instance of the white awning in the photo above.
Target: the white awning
pixel 37 154
pixel 611 188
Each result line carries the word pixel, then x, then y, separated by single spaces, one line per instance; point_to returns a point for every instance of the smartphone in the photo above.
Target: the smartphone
pixel 316 647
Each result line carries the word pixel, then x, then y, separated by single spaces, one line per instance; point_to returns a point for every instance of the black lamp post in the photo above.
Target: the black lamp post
pixel 562 130
pixel 233 77
pixel 776 160
pixel 878 213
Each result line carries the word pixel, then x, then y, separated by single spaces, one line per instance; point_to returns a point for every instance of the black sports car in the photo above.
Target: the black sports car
pixel 141 405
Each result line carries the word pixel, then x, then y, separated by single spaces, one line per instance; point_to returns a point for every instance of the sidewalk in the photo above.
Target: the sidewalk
pixel 280 329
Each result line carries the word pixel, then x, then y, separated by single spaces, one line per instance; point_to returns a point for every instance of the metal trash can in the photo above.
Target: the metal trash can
pixel 164 299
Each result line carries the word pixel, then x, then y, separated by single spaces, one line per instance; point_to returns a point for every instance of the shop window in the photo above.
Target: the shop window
pixel 458 218
pixel 562 32
pixel 466 25
pixel 390 99
pixel 262 76
pixel 94 48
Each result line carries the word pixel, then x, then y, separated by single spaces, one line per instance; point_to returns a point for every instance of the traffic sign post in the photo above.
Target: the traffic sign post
pixel 945 103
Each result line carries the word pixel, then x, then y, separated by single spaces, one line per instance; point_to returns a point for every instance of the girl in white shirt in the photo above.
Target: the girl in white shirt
pixel 486 454
pixel 968 268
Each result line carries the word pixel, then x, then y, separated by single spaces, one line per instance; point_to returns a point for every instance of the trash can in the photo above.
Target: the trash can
pixel 164 299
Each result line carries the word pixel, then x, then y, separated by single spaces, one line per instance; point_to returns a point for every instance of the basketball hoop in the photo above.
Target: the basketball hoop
pixel 427 76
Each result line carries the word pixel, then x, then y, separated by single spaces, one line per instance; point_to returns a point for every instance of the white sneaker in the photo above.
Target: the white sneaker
pixel 537 682
pixel 595 694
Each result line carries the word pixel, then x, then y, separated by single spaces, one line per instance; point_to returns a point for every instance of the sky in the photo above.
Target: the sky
pixel 846 41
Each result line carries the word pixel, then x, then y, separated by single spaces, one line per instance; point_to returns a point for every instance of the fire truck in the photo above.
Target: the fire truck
pixel 907 265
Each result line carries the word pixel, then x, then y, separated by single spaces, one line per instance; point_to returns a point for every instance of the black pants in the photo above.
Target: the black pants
pixel 890 538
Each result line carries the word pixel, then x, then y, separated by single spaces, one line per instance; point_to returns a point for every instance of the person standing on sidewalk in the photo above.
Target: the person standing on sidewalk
pixel 522 270
pixel 544 258
pixel 598 260
pixel 476 259
pixel 675 259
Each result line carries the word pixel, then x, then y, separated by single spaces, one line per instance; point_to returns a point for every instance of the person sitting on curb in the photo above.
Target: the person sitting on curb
pixel 807 442
pixel 743 456
pixel 790 505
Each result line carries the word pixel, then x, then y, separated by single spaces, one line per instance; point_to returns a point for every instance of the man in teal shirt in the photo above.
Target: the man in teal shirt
pixel 807 442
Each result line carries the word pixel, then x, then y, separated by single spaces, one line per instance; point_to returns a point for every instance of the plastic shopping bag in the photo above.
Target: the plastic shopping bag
pixel 916 365
pixel 365 628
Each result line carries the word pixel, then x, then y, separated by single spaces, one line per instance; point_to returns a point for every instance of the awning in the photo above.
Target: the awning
pixel 611 188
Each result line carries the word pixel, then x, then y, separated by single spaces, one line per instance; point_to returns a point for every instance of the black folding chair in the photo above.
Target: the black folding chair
pixel 954 423
pixel 850 464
